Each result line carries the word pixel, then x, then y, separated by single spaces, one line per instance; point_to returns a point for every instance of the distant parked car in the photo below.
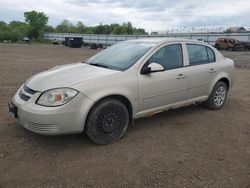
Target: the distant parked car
pixel 55 42
pixel 246 44
pixel 231 44
pixel 126 81
pixel 7 41
pixel 100 45
pixel 26 39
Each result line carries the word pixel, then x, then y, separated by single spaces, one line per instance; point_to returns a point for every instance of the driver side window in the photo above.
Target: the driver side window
pixel 170 57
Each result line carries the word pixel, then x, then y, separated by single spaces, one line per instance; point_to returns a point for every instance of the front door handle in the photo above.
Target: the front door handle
pixel 181 76
pixel 212 70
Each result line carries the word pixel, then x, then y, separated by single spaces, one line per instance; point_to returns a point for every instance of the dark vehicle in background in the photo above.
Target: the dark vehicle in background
pixel 74 42
pixel 246 44
pixel 93 46
pixel 231 44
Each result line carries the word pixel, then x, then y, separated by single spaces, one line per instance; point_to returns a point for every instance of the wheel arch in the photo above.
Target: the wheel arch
pixel 223 78
pixel 226 81
pixel 118 97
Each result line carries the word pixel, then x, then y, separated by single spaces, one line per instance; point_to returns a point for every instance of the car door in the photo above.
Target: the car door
pixel 200 71
pixel 165 88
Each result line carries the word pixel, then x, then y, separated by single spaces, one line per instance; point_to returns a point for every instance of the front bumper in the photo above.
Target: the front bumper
pixel 65 119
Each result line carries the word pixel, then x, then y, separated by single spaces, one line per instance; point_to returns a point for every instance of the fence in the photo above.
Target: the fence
pixel 111 39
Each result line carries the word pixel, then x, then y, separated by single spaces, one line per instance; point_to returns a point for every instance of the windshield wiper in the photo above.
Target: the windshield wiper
pixel 98 65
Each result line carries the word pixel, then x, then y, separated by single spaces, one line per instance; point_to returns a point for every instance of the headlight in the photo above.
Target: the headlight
pixel 56 97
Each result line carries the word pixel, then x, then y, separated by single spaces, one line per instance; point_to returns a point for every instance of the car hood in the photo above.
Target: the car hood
pixel 66 76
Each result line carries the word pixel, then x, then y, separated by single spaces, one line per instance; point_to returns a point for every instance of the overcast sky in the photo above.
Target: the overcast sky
pixel 152 15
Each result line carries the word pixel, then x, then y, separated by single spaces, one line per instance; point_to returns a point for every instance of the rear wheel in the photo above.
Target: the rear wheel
pixel 107 121
pixel 218 96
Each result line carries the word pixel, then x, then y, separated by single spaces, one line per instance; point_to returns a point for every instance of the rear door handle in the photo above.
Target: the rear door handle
pixel 212 70
pixel 181 76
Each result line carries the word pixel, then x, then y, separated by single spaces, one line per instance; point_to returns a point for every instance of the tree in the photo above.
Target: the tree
pixel 139 31
pixel 126 29
pixel 49 29
pixel 129 28
pixel 65 27
pixel 13 31
pixel 118 30
pixel 16 24
pixel 21 28
pixel 3 26
pixel 80 27
pixel 37 22
pixel 99 29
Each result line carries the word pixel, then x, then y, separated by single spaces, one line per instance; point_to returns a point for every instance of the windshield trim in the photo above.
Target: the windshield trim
pixel 104 66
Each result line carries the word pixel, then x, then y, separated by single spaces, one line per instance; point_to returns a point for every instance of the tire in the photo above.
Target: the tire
pixel 107 122
pixel 218 96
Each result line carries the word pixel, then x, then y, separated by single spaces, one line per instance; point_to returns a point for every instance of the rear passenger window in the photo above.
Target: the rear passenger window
pixel 210 54
pixel 199 54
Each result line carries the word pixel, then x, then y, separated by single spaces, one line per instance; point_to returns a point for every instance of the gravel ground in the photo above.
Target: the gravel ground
pixel 187 147
pixel 241 58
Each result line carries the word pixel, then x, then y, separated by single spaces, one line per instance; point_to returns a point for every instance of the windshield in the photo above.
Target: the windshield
pixel 120 56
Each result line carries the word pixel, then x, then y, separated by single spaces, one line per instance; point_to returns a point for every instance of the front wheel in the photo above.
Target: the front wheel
pixel 218 96
pixel 107 121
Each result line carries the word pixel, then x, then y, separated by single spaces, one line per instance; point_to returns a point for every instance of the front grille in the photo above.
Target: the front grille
pixel 23 96
pixel 41 127
pixel 29 90
pixel 26 93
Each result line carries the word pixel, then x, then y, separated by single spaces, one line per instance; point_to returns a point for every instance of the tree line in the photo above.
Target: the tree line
pixel 36 23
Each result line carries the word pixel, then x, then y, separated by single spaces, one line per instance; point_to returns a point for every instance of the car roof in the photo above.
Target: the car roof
pixel 227 38
pixel 158 40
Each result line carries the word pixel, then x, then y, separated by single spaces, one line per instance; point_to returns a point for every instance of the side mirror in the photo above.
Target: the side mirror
pixel 152 67
pixel 145 70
